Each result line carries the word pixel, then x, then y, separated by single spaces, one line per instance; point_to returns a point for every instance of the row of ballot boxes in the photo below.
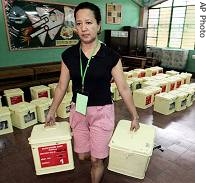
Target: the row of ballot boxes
pixel 130 152
pixel 177 100
pixel 165 102
pixel 167 83
pixel 25 114
pixel 16 95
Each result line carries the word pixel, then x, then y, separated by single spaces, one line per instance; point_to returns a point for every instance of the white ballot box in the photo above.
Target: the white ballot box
pixel 130 152
pixel 51 148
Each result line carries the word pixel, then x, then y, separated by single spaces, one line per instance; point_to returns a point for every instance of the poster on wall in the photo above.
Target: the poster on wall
pixel 113 13
pixel 37 24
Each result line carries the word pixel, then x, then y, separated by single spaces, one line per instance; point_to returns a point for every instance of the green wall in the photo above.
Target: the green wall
pixel 130 17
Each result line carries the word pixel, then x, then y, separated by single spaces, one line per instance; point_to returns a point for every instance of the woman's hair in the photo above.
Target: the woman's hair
pixel 87 5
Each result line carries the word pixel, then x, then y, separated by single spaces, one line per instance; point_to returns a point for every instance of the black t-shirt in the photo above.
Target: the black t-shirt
pixel 98 75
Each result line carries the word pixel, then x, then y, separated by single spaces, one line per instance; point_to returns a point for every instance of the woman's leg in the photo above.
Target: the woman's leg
pixel 97 169
pixel 84 156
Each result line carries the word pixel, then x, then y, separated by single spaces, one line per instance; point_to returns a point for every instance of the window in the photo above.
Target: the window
pixel 172 24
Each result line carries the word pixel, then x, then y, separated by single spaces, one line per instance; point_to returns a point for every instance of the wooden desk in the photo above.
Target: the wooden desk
pixel 134 62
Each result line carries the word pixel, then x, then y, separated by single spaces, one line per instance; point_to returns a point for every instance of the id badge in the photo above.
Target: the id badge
pixel 81 103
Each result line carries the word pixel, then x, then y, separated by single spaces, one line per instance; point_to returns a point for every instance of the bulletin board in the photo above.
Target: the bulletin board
pixel 113 13
pixel 37 24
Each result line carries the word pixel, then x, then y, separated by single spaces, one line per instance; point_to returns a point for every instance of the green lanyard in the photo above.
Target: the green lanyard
pixel 81 70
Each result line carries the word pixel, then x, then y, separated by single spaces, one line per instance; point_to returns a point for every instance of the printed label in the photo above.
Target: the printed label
pixel 178 84
pixel 142 74
pixel 172 86
pixel 16 99
pixel 163 88
pixel 43 94
pixel 148 99
pixel 53 155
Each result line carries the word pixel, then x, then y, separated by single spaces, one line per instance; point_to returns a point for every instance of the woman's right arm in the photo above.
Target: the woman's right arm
pixel 60 91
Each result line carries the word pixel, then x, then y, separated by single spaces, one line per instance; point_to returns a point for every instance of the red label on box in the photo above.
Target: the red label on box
pixel 163 88
pixel 16 99
pixel 172 86
pixel 53 155
pixel 141 74
pixel 148 99
pixel 178 84
pixel 43 94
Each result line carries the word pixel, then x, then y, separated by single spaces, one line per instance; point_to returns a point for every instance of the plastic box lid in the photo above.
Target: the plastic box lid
pixel 178 93
pixel 22 107
pixel 43 101
pixel 166 96
pixel 4 111
pixel 39 88
pixel 40 134
pixel 13 91
pixel 140 142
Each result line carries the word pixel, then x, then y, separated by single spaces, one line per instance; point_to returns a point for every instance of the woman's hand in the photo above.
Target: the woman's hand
pixel 50 120
pixel 135 125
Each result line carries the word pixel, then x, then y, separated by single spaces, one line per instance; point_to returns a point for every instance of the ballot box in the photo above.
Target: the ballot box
pixel 5 121
pixel 130 152
pixel 51 148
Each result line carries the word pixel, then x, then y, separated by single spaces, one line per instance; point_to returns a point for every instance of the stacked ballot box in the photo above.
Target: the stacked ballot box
pixel 159 69
pixel 181 99
pixel 188 77
pixel 155 90
pixel 163 84
pixel 52 89
pixel 165 103
pixel 179 80
pixel 171 82
pixel 128 75
pixel 130 152
pixel 51 148
pixel 172 72
pixel 190 95
pixel 139 73
pixel 23 115
pixel 151 71
pixel 63 110
pixel 135 83
pixel 143 98
pixel 40 91
pixel 114 92
pixel 5 121
pixel 42 107
pixel 14 96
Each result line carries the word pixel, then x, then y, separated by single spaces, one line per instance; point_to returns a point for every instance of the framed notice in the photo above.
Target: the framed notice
pixel 113 13
pixel 39 24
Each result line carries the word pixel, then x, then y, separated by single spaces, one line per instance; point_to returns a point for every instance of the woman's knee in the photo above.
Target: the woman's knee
pixel 84 156
pixel 96 162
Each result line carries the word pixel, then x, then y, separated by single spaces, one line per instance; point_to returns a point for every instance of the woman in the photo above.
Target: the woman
pixel 91 65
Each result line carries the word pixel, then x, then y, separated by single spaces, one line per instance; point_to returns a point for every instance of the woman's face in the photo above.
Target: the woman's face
pixel 86 25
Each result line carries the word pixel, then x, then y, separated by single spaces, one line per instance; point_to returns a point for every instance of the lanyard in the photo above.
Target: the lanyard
pixel 81 70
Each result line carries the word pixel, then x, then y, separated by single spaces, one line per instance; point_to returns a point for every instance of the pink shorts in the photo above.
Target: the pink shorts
pixel 93 131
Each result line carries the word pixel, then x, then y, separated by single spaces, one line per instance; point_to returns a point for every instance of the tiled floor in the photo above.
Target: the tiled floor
pixel 175 132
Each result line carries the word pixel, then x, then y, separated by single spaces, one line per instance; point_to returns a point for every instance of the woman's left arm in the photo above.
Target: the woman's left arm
pixel 125 92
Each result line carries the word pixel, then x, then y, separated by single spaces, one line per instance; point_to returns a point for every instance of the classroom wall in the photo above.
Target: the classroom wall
pixel 21 57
